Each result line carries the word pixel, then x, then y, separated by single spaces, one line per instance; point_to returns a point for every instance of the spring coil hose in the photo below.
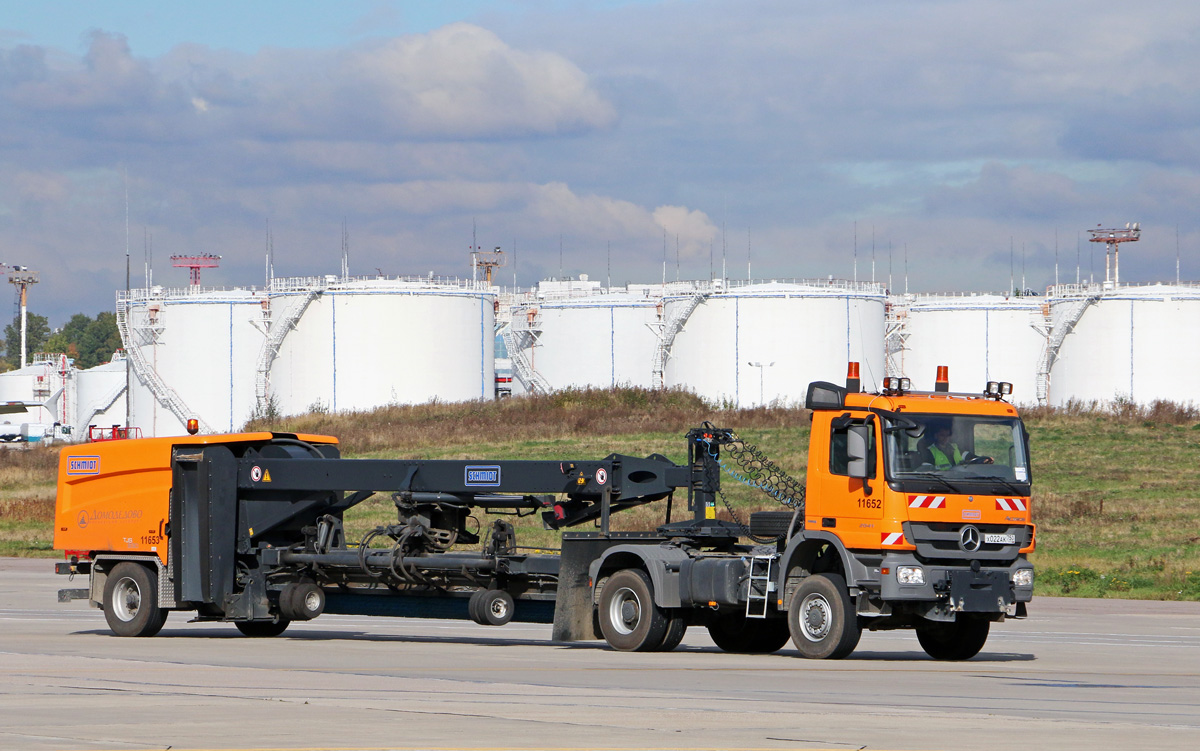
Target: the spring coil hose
pixel 754 469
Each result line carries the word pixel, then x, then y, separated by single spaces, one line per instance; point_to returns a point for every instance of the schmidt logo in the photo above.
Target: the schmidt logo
pixel 83 465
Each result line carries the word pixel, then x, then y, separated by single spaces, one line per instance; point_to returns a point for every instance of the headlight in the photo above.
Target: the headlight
pixel 1023 577
pixel 910 575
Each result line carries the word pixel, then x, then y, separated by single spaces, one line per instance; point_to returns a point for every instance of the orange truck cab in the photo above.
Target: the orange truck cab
pixel 919 504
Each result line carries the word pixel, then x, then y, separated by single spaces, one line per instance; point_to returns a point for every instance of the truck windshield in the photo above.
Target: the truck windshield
pixel 957 448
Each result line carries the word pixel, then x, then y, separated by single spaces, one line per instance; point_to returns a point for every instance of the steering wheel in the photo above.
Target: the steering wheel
pixel 980 460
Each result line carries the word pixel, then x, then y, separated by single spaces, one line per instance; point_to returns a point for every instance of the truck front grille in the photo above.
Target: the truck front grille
pixel 943 541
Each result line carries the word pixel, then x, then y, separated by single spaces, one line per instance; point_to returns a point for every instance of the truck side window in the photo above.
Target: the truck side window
pixel 838 458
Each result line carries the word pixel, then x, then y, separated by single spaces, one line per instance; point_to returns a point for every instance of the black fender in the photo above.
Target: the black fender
pixel 661 563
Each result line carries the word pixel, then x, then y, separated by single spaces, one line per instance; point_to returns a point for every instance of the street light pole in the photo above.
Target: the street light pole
pixel 761 370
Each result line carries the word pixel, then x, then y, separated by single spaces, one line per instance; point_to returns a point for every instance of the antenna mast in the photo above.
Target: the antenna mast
pixel 1112 239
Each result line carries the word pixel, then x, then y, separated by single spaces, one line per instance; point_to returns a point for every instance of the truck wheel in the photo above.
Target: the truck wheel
pixel 258 629
pixel 676 628
pixel 822 620
pixel 960 640
pixel 131 600
pixel 495 607
pixel 734 632
pixel 629 619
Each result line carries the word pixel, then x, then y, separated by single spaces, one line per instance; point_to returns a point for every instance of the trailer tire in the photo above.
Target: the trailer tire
pixel 474 612
pixel 676 628
pixel 734 632
pixel 301 601
pixel 629 619
pixel 262 629
pixel 131 600
pixel 496 607
pixel 822 620
pixel 960 640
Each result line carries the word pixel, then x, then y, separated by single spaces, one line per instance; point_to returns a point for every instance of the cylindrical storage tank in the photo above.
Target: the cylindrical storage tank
pixel 600 341
pixel 99 398
pixel 362 344
pixel 764 343
pixel 1135 343
pixel 202 345
pixel 41 387
pixel 980 338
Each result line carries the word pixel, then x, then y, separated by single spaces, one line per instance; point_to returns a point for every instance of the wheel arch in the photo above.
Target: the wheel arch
pixel 804 551
pixel 103 563
pixel 654 560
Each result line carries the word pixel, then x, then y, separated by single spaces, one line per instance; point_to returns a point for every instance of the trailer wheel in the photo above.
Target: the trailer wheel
pixel 734 632
pixel 822 620
pixel 131 600
pixel 960 640
pixel 629 619
pixel 259 629
pixel 301 601
pixel 676 628
pixel 474 612
pixel 495 607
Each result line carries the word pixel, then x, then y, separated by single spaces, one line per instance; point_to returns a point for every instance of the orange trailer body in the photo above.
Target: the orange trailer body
pixel 113 497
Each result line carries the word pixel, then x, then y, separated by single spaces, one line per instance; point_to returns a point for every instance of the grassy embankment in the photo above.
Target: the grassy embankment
pixel 1116 495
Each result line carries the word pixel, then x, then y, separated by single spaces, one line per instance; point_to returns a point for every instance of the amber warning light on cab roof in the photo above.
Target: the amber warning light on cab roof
pixel 852 381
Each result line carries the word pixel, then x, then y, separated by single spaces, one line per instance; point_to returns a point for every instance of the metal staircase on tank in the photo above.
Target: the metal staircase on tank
pixel 145 371
pixel 895 336
pixel 518 340
pixel 277 332
pixel 1055 338
pixel 666 338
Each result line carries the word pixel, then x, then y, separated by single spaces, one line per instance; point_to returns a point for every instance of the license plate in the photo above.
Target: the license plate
pixel 1000 539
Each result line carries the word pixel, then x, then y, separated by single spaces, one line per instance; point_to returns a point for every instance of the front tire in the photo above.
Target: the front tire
pixel 960 640
pixel 822 620
pixel 131 600
pixel 734 632
pixel 629 619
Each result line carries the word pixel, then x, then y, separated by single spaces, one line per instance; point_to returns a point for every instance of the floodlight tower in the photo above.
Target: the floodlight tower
pixel 488 260
pixel 1112 239
pixel 22 277
pixel 195 263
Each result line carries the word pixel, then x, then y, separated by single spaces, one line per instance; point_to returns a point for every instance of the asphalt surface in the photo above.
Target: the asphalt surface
pixel 1078 674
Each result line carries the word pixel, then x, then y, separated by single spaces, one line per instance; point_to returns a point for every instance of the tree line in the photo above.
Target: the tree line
pixel 88 341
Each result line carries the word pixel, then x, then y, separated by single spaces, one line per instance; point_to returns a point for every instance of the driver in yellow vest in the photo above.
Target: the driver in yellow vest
pixel 944 453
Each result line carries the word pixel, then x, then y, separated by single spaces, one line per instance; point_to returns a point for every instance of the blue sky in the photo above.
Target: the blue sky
pixel 953 130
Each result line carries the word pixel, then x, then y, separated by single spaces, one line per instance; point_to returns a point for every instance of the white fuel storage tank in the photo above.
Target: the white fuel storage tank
pixel 600 341
pixel 1131 342
pixel 981 338
pixel 193 352
pixel 99 397
pixel 359 344
pixel 764 343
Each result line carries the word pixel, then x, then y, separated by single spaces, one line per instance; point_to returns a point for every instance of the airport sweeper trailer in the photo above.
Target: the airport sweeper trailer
pixel 915 514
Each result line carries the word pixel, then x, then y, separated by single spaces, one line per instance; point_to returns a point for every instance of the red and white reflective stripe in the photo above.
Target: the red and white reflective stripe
pixel 927 501
pixel 1011 504
pixel 892 538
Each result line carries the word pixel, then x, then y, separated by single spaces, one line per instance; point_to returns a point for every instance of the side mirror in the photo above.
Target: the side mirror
pixel 858 438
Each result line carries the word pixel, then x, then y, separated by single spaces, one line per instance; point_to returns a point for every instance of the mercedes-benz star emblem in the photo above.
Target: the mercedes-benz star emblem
pixel 969 538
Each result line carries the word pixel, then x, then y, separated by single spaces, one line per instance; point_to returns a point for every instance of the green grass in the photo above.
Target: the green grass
pixel 1116 493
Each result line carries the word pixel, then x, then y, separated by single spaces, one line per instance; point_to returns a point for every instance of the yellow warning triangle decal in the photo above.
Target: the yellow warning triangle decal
pixel 266 475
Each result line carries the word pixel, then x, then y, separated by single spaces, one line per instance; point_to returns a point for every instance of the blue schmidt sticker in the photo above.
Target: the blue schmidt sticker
pixel 482 477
